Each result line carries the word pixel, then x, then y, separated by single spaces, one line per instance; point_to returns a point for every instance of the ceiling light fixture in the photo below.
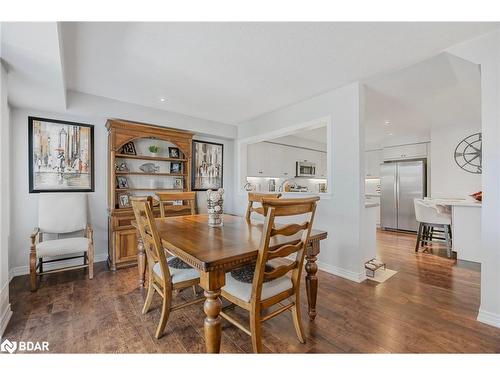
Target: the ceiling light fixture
pixel 163 100
pixel 388 123
pixel 390 133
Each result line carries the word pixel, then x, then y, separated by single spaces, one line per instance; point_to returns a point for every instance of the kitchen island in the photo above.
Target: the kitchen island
pixel 465 227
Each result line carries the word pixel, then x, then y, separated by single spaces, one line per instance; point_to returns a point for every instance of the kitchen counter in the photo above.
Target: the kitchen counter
pixel 465 227
pixel 455 202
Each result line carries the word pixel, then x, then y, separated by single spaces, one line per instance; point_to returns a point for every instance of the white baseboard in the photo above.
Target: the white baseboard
pixel 5 310
pixel 342 272
pixel 25 270
pixel 489 318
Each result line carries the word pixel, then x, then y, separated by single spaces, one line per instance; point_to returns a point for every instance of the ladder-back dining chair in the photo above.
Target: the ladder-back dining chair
pixel 269 285
pixel 63 233
pixel 167 208
pixel 165 276
pixel 257 198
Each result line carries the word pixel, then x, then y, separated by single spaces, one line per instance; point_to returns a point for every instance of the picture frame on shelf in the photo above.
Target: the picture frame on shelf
pixel 207 166
pixel 124 200
pixel 174 153
pixel 122 182
pixel 61 156
pixel 178 183
pixel 175 167
pixel 128 149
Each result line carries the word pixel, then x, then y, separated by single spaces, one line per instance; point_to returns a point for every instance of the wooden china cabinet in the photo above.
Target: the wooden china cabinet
pixel 133 170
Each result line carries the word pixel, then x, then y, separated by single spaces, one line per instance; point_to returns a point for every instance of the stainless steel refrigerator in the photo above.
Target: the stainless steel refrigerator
pixel 401 182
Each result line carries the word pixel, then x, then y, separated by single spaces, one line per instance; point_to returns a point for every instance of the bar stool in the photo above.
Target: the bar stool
pixel 431 222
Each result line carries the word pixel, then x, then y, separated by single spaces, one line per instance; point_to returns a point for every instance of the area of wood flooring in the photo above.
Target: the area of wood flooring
pixel 429 306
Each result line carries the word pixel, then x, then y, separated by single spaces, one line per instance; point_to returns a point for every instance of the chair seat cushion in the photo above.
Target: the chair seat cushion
pixel 177 274
pixel 62 247
pixel 243 290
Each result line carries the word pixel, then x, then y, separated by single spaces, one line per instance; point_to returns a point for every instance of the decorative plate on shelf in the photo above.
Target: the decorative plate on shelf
pixel 468 154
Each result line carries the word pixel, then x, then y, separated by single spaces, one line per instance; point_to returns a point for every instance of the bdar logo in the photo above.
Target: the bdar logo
pixel 8 346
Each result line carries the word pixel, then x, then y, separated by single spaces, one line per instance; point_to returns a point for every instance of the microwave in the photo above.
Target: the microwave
pixel 305 169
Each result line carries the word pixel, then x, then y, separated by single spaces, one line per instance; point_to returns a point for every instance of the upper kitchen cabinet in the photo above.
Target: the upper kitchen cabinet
pixel 270 160
pixel 412 151
pixel 373 159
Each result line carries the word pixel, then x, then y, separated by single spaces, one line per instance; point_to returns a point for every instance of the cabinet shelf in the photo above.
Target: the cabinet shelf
pixel 150 174
pixel 146 157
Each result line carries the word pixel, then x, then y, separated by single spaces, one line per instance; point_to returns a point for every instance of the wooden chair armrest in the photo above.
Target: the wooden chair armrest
pixel 89 233
pixel 34 236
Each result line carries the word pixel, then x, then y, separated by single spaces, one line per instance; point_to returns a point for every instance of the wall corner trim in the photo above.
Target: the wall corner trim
pixel 342 272
pixel 489 318
pixel 5 310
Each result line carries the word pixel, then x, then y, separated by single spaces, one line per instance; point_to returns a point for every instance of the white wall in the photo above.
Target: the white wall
pixel 485 51
pixel 5 311
pixel 448 180
pixel 24 217
pixel 341 213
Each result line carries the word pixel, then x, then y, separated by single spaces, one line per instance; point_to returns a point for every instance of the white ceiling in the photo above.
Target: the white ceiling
pixel 231 72
pixel 316 135
pixel 441 91
pixel 225 72
pixel 34 64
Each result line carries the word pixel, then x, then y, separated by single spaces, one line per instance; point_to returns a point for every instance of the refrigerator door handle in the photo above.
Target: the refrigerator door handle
pixel 396 190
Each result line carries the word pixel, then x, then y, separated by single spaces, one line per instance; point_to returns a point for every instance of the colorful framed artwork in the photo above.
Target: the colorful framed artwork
pixel 60 156
pixel 208 165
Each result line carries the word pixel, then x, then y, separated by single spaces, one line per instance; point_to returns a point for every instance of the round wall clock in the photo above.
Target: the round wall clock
pixel 468 154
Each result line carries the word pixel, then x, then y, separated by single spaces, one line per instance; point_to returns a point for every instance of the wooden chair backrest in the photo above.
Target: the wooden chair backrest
pixel 282 208
pixel 188 206
pixel 257 198
pixel 150 238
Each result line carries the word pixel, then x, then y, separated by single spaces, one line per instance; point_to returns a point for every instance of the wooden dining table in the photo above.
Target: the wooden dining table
pixel 217 250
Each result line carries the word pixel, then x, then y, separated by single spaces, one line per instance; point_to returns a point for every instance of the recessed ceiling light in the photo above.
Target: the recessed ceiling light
pixel 390 133
pixel 163 100
pixel 388 123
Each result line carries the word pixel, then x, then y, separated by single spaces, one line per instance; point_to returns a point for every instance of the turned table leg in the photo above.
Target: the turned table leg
pixel 212 324
pixel 212 282
pixel 311 278
pixel 141 260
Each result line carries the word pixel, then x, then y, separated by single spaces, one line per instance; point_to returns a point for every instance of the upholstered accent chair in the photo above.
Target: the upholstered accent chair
pixel 63 233
pixel 257 198
pixel 279 283
pixel 164 275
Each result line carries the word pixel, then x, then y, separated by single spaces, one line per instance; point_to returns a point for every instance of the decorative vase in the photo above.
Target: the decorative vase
pixel 215 201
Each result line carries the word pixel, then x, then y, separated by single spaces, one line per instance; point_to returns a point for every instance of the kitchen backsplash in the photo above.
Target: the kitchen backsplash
pixel 265 184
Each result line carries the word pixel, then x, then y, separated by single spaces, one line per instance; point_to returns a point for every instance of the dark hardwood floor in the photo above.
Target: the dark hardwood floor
pixel 429 306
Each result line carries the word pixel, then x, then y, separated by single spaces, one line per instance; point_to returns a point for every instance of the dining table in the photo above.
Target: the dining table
pixel 217 250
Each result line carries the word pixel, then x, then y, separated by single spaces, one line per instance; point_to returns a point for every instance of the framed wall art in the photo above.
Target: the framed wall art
pixel 208 165
pixel 60 156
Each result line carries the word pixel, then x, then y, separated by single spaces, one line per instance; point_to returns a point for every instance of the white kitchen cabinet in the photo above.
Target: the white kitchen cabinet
pixel 373 159
pixel 267 159
pixel 412 151
pixel 321 168
pixel 257 160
